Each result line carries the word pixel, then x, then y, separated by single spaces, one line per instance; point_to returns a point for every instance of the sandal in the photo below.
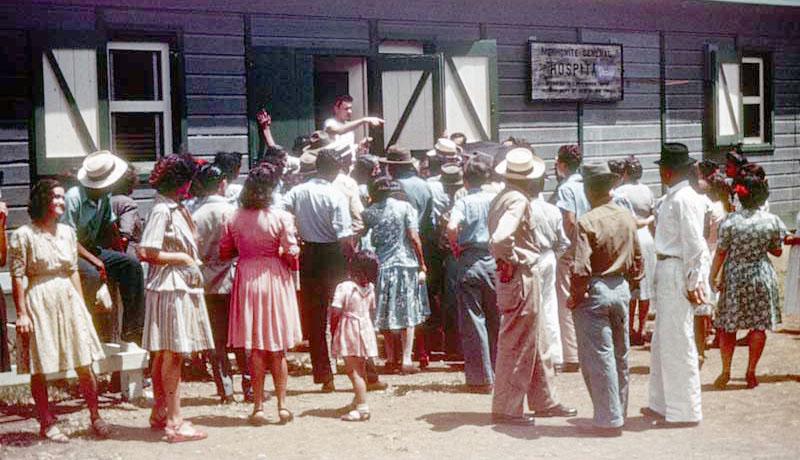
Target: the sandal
pixel 285 416
pixel 101 428
pixel 183 433
pixel 356 416
pixel 258 418
pixel 722 381
pixel 53 433
pixel 158 419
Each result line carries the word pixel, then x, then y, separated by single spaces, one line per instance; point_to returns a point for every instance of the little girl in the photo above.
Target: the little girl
pixel 353 332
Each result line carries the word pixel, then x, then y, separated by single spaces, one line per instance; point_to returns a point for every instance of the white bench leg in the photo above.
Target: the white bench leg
pixel 131 384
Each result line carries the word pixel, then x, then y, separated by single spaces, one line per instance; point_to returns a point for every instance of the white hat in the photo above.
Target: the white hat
pixel 445 146
pixel 101 169
pixel 521 163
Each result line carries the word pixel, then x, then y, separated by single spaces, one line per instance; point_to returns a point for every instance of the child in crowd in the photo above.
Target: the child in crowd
pixel 353 332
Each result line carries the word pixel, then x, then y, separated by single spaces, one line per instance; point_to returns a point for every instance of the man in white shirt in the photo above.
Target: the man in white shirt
pixel 341 127
pixel 681 268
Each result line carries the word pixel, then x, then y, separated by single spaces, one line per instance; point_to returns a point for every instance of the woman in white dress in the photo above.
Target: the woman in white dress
pixel 54 329
pixel 643 202
pixel 791 291
pixel 176 320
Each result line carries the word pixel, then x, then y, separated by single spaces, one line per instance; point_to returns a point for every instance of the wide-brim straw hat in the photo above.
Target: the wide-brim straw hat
pixel 520 163
pixel 101 169
pixel 444 146
pixel 452 175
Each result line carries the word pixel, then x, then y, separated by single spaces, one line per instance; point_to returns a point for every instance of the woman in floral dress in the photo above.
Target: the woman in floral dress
pixel 749 285
pixel 402 300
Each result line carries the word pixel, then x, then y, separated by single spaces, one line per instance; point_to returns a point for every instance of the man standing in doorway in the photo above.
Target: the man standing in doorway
pixel 682 267
pixel 605 257
pixel 520 370
pixel 341 127
pixel 571 199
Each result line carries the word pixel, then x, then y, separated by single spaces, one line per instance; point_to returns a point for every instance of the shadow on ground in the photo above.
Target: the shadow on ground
pixel 443 422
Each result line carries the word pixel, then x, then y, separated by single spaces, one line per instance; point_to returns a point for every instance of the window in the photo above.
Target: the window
pixel 742 98
pixel 752 87
pixel 139 104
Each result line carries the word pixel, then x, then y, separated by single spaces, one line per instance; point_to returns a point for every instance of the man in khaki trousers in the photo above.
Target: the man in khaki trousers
pixel 520 369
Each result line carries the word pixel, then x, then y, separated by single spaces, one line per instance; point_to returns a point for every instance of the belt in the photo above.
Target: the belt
pixel 665 257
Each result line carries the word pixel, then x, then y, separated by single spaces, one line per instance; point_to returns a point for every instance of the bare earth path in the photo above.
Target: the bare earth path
pixel 429 416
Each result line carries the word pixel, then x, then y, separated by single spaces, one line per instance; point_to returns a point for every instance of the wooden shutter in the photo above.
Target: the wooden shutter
pixel 470 90
pixel 281 80
pixel 723 71
pixel 71 117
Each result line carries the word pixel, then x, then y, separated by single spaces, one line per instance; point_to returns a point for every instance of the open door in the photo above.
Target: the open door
pixel 470 90
pixel 404 90
pixel 282 81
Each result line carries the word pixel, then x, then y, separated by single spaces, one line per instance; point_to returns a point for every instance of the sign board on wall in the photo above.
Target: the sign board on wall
pixel 585 72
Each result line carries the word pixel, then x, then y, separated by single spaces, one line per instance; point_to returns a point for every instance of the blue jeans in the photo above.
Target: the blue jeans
pixel 601 326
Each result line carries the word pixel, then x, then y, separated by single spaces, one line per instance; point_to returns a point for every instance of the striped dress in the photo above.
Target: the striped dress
pixel 175 309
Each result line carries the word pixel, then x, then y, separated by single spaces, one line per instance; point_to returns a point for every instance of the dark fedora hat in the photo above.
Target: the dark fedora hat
pixel 593 171
pixel 675 154
pixel 397 155
pixel 452 175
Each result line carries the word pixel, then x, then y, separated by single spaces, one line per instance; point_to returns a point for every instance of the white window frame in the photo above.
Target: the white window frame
pixel 755 100
pixel 164 106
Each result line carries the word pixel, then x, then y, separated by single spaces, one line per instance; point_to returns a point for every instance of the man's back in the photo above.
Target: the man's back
pixel 321 211
pixel 606 242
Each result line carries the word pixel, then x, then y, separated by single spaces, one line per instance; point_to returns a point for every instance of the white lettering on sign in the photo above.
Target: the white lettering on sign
pixel 576 72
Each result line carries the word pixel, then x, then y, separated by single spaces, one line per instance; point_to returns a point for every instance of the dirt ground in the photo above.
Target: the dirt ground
pixel 430 415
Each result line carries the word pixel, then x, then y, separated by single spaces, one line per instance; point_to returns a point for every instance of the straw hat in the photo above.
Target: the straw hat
pixel 521 163
pixel 444 146
pixel 101 169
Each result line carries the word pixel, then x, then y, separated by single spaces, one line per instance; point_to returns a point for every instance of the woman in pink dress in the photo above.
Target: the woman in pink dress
pixel 263 314
pixel 353 332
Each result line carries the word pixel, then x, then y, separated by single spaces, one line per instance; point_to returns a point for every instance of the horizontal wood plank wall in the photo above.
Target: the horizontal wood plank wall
pixel 545 125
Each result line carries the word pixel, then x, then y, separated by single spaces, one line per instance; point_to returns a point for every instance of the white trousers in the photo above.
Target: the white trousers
pixel 552 328
pixel 569 342
pixel 674 372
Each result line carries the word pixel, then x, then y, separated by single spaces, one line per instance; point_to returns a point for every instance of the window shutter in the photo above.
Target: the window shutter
pixel 723 67
pixel 470 90
pixel 282 82
pixel 68 90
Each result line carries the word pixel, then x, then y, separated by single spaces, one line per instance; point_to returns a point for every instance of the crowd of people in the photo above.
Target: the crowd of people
pixel 454 253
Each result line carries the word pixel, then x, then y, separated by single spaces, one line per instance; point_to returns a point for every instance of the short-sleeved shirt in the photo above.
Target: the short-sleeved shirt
pixel 571 197
pixel 472 215
pixel 390 220
pixel 549 229
pixel 606 244
pixel 640 197
pixel 90 219
pixel 210 218
pixel 340 140
pixel 419 195
pixel 348 186
pixel 128 219
pixel 321 211
pixel 170 228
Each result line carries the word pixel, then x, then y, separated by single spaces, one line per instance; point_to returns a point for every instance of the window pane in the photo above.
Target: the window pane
pixel 135 75
pixel 752 120
pixel 138 136
pixel 750 80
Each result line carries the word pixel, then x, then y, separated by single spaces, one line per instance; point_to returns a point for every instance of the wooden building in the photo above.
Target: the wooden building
pixel 145 78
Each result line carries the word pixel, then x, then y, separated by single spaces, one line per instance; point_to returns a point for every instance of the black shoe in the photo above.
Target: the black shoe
pixel 226 399
pixel 377 386
pixel 647 412
pixel 559 410
pixel 521 420
pixel 600 431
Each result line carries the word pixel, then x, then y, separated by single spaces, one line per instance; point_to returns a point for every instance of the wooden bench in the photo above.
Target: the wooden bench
pixel 127 359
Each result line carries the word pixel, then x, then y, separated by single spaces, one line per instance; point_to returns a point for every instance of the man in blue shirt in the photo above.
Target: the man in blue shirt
pixel 89 212
pixel 323 223
pixel 571 200
pixel 468 232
